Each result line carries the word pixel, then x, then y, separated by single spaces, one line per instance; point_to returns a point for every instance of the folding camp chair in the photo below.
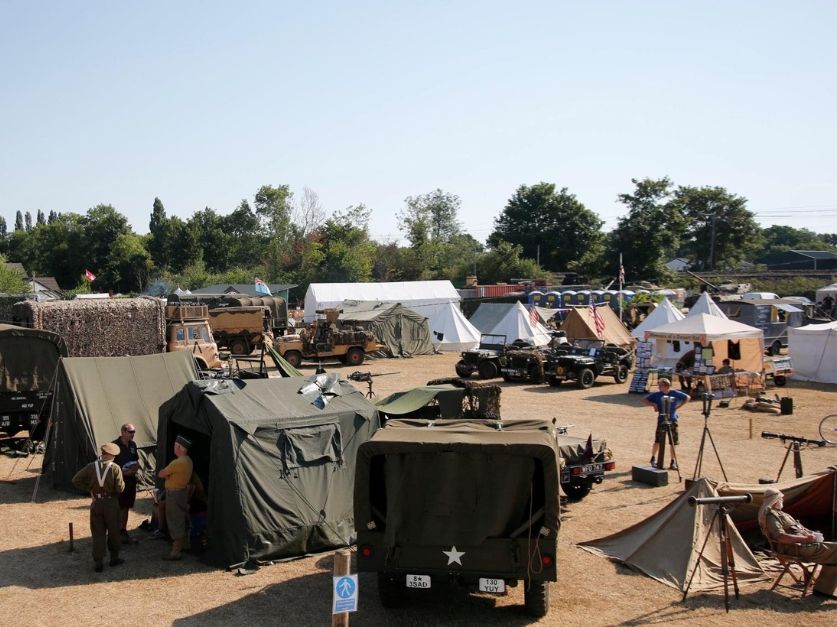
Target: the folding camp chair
pixel 787 562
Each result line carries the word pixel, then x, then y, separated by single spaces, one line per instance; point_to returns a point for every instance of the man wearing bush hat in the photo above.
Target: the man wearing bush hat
pixel 103 480
pixel 177 475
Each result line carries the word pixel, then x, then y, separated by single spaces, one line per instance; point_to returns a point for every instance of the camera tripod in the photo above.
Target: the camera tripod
pixel 665 425
pixel 707 409
pixel 727 555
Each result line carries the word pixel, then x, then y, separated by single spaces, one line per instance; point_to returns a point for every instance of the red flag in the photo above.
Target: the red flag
pixel 89 275
pixel 598 321
pixel 533 316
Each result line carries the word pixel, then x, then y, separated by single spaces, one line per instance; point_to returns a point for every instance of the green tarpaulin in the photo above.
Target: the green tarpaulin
pixel 94 396
pixel 279 470
pixel 402 331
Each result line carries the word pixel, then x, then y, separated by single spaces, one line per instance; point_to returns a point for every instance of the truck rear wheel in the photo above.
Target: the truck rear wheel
pixel 294 358
pixel 536 598
pixel 488 370
pixel 586 378
pixel 390 591
pixel 621 374
pixel 355 356
pixel 240 346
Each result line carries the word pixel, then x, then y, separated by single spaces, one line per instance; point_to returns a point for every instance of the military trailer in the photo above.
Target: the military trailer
pixel 585 462
pixel 240 329
pixel 484 359
pixel 469 502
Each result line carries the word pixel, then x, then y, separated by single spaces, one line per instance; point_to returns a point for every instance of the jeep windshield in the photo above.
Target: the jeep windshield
pixel 492 342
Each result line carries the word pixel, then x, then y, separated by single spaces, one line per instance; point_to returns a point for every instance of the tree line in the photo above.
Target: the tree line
pixel 284 238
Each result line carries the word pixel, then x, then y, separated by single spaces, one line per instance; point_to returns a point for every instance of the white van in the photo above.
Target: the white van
pixel 759 296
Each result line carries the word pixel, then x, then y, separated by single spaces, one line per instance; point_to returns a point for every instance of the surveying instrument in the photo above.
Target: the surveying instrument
pixel 665 425
pixel 725 504
pixel 706 397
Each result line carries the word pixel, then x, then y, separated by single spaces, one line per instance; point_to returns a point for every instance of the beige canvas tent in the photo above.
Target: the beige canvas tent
pixel 579 325
pixel 666 546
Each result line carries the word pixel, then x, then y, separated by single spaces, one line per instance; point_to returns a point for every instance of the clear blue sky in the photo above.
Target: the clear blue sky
pixel 201 103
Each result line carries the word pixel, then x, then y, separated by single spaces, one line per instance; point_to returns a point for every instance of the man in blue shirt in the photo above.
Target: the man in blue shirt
pixel 655 400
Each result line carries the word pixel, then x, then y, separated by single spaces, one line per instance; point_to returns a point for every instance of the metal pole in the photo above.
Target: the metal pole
pixel 620 287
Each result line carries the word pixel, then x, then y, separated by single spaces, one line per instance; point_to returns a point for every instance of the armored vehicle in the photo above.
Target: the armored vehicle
pixel 586 360
pixel 470 502
pixel 485 359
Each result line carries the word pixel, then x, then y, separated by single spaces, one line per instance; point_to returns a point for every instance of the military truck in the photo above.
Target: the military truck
pixel 241 329
pixel 484 360
pixel 586 360
pixel 469 502
pixel 323 339
pixel 276 305
pixel 187 328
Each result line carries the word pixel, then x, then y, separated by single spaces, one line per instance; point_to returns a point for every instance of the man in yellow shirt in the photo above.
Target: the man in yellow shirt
pixel 177 475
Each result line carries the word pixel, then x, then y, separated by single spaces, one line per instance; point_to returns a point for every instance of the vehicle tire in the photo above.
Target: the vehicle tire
pixel 506 378
pixel 390 591
pixel 536 598
pixel 463 370
pixel 780 381
pixel 294 358
pixel 775 348
pixel 576 490
pixel 621 374
pixel 240 346
pixel 488 370
pixel 555 381
pixel 533 373
pixel 354 357
pixel 586 378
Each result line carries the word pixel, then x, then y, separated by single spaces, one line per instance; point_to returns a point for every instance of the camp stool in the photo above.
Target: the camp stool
pixel 787 562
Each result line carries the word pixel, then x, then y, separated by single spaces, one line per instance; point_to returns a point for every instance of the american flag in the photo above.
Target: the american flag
pixel 598 321
pixel 533 316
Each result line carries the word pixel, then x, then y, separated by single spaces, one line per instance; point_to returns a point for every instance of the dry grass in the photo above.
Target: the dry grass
pixel 42 583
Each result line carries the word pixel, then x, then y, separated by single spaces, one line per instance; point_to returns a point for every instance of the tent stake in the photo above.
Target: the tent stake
pixel 71 538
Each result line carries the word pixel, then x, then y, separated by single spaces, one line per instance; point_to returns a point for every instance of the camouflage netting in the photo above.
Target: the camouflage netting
pixel 7 301
pixel 482 399
pixel 101 328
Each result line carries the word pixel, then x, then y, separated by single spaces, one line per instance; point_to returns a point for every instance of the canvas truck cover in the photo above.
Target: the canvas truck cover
pixel 448 397
pixel 458 481
pixel 95 396
pixel 28 358
pixel 279 469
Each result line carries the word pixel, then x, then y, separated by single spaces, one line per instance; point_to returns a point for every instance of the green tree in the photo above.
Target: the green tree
pixel 779 238
pixel 505 261
pixel 432 216
pixel 128 265
pixel 216 241
pixel 27 218
pixel 650 234
pixel 273 206
pixel 3 229
pixel 184 247
pixel 53 216
pixel 18 220
pixel 721 231
pixel 248 238
pixel 347 252
pixel 56 250
pixel 11 281
pixel 40 220
pixel 158 245
pixel 539 218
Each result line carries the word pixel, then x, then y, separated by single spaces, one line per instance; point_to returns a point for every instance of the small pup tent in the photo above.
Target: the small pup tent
pixel 666 545
pixel 450 330
pixel 277 457
pixel 94 396
pixel 813 349
pixel 402 331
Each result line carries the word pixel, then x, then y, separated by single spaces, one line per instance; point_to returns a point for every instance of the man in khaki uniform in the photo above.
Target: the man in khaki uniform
pixel 103 480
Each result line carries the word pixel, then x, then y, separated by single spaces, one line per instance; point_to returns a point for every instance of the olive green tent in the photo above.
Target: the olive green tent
pixel 402 331
pixel 94 396
pixel 277 457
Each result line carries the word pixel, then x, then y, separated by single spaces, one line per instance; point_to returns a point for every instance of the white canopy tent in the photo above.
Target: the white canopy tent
pixel 741 343
pixel 664 313
pixel 516 324
pixel 410 294
pixel 705 305
pixel 813 349
pixel 449 328
pixel 828 290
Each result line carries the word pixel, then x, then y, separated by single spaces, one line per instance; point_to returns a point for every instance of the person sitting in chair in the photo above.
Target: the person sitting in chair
pixel 790 537
pixel 684 370
pixel 726 368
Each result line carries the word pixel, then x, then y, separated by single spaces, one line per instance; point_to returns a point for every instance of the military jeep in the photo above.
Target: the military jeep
pixel 586 360
pixel 469 502
pixel 484 360
pixel 523 362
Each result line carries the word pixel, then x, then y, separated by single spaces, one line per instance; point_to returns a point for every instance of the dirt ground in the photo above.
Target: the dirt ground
pixel 42 583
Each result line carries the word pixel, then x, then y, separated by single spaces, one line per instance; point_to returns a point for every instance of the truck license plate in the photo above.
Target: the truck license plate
pixel 497 586
pixel 593 468
pixel 418 581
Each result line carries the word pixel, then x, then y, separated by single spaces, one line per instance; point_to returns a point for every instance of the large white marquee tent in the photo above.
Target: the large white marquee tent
pixel 813 349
